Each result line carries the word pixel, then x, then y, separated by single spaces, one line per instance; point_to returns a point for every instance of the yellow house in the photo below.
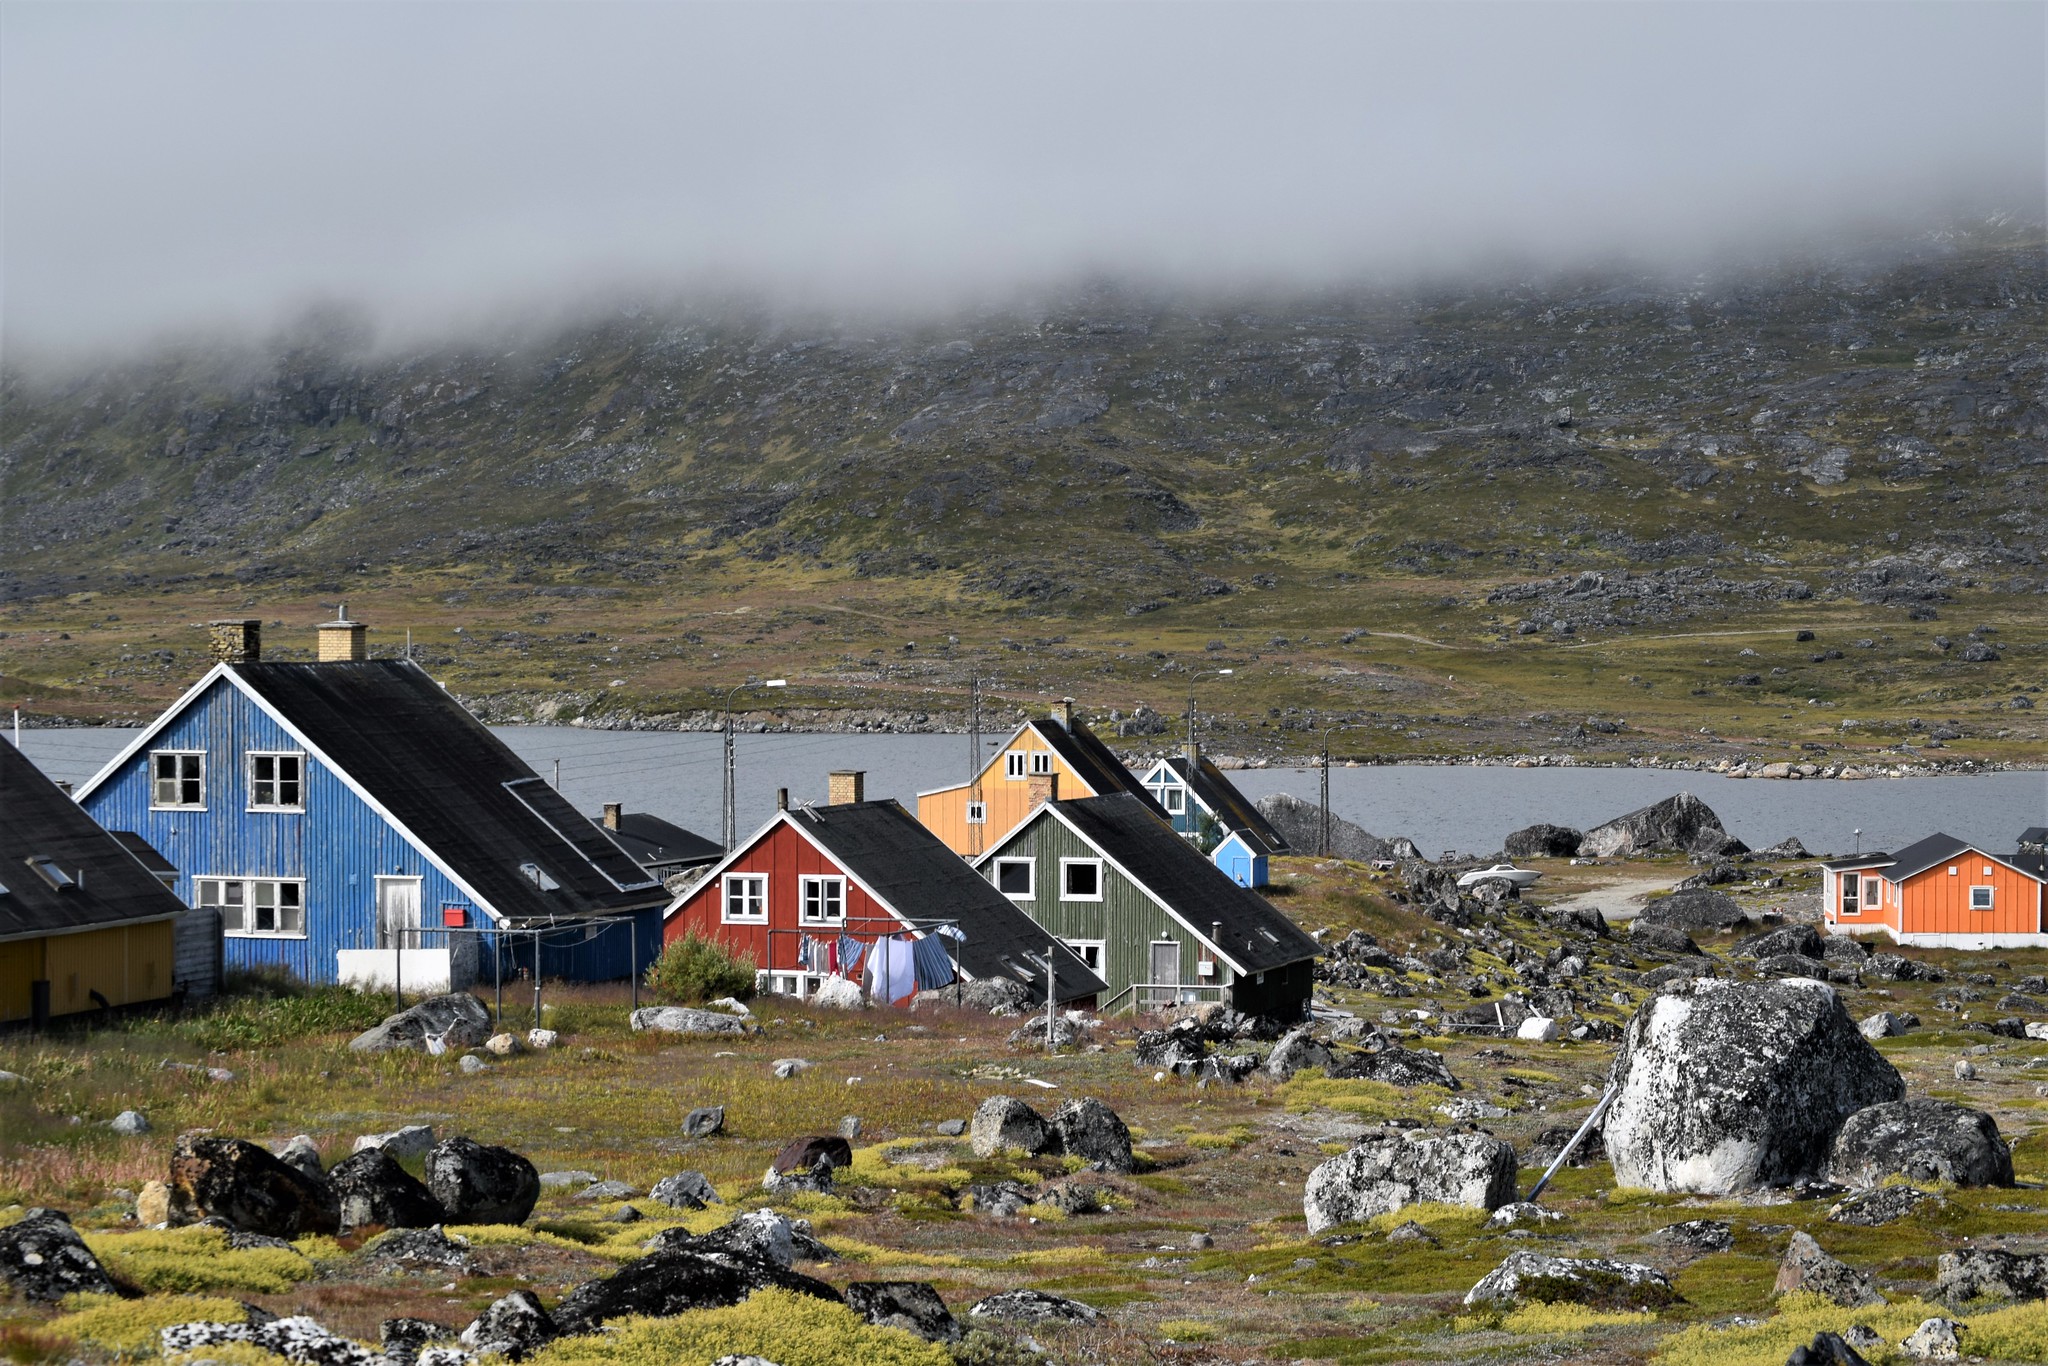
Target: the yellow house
pixel 1055 759
pixel 83 924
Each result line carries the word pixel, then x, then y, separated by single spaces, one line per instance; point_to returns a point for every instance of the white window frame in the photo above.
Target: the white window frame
pixel 1083 947
pixel 1030 865
pixel 977 813
pixel 820 883
pixel 1174 799
pixel 1016 766
pixel 250 897
pixel 1041 763
pixel 1990 901
pixel 726 885
pixel 180 780
pixel 1067 863
pixel 277 782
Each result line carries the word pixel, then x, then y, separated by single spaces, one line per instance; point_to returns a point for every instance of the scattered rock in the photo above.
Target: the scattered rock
pixel 1397 1067
pixel 1809 1269
pixel 839 993
pixel 1827 1349
pixel 1886 1024
pixel 1090 1130
pixel 1664 938
pixel 951 1128
pixel 1990 1273
pixel 298 1339
pixel 809 1154
pixel 684 1020
pixel 1412 1232
pixel 1803 940
pixel 1695 908
pixel 999 1199
pixel 1386 1171
pixel 1882 1205
pixel 1934 1340
pixel 481 1184
pixel 1543 841
pixel 503 1045
pixel 403 1338
pixel 1596 1281
pixel 676 1282
pixel 1700 1236
pixel 42 1258
pixel 414 1248
pixel 1523 1212
pixel 704 1121
pixel 511 1327
pixel 1538 1029
pixel 1921 1140
pixel 1033 1306
pixel 606 1190
pixel 986 996
pixel 303 1156
pixel 913 1306
pixel 541 1040
pixel 242 1183
pixel 561 1180
pixel 1784 965
pixel 685 1190
pixel 1728 1086
pixel 1005 1122
pixel 437 1024
pixel 785 1068
pixel 130 1122
pixel 414 1140
pixel 472 1064
pixel 371 1188
pixel 153 1206
pixel 1671 826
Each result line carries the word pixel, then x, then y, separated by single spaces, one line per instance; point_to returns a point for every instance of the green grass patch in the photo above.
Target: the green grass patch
pixel 134 1328
pixel 789 1329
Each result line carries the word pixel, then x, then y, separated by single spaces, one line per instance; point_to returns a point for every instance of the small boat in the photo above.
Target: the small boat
pixel 1501 872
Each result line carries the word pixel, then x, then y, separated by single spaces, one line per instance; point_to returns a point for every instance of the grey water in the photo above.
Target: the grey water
pixel 1465 807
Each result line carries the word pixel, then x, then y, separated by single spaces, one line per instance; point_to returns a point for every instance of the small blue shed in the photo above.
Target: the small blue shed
pixel 1243 860
pixel 351 821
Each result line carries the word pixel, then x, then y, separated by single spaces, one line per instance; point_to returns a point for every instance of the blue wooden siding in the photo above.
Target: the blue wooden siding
pixel 339 845
pixel 1246 866
pixel 1161 777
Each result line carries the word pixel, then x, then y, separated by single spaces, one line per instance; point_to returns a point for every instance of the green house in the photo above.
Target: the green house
pixel 1148 912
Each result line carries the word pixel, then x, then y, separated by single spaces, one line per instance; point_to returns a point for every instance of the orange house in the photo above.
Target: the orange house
pixel 1056 759
pixel 1941 892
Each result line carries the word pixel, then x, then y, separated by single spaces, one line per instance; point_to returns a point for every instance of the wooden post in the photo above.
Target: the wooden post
pixel 1049 994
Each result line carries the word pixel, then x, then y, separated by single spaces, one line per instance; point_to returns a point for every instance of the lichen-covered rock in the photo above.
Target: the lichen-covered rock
pixel 1699 1236
pixel 1663 938
pixel 1808 1269
pixel 1597 1281
pixel 413 1140
pixel 913 1306
pixel 986 996
pixel 1396 1066
pixel 1694 908
pixel 1297 1051
pixel 1088 1129
pixel 511 1327
pixel 1934 1340
pixel 685 1190
pixel 1002 1122
pixel 1885 1024
pixel 1672 826
pixel 43 1258
pixel 403 1338
pixel 480 1184
pixel 370 1188
pixel 302 1154
pixel 1974 1273
pixel 683 1020
pixel 413 1249
pixel 1803 940
pixel 763 1234
pixel 297 1339
pixel 704 1121
pixel 676 1282
pixel 1543 841
pixel 1829 1349
pixel 1723 1087
pixel 1920 1140
pixel 454 1022
pixel 1033 1306
pixel 1882 1205
pixel 1387 1171
pixel 241 1182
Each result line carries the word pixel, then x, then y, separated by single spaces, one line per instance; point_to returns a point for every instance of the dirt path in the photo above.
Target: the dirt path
pixel 1623 898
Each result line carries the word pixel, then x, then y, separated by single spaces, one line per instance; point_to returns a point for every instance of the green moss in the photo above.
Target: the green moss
pixel 134 1328
pixel 192 1260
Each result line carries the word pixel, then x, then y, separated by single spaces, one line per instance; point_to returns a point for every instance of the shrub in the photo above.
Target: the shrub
pixel 188 1260
pixel 693 969
pixel 133 1328
pixel 786 1328
pixel 263 1010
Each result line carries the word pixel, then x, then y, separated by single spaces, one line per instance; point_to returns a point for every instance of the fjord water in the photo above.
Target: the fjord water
pixel 1461 806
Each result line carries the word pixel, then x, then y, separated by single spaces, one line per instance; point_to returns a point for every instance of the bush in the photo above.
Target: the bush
pixel 134 1328
pixel 790 1329
pixel 189 1260
pixel 694 969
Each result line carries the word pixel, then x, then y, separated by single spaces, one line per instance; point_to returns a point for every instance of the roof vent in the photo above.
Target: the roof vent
pixel 49 872
pixel 538 876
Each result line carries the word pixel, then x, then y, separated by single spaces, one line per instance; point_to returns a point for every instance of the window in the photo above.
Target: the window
pixel 1089 951
pixel 1013 763
pixel 1980 898
pixel 746 896
pixel 1174 799
pixel 977 813
pixel 823 900
pixel 180 778
pixel 256 907
pixel 1041 762
pixel 1850 884
pixel 277 782
pixel 1014 876
pixel 1873 892
pixel 1081 879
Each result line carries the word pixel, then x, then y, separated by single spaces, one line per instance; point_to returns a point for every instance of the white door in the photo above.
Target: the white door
pixel 1165 972
pixel 398 909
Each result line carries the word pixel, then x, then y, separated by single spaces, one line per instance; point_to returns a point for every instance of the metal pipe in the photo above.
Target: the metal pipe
pixel 1613 1089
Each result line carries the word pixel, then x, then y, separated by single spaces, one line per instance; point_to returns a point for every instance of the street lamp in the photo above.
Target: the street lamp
pixel 731 831
pixel 1193 732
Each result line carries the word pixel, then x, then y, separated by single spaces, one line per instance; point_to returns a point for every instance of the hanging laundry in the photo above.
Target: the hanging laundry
pixel 933 966
pixel 850 951
pixel 892 970
pixel 953 932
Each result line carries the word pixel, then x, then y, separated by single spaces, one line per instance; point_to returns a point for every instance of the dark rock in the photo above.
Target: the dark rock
pixel 1792 965
pixel 1787 848
pixel 480 1184
pixel 43 1258
pixel 1698 1236
pixel 1002 1122
pixel 1064 1033
pixel 1550 1142
pixel 1694 909
pixel 1922 1141
pixel 676 1282
pixel 984 996
pixel 1803 940
pixel 242 1183
pixel 913 1306
pixel 1543 841
pixel 1397 1067
pixel 371 1188
pixel 1726 1086
pixel 1891 967
pixel 704 1121
pixel 685 1190
pixel 511 1327
pixel 1663 938
pixel 1088 1129
pixel 1975 1273
pixel 1534 1277
pixel 808 1154
pixel 1826 1349
pixel 1671 826
pixel 1807 1268
pixel 1300 823
pixel 413 1248
pixel 1882 1205
pixel 402 1339
pixel 1297 1052
pixel 455 1021
pixel 1033 1306
pixel 1000 1199
pixel 1386 1172
pixel 684 1020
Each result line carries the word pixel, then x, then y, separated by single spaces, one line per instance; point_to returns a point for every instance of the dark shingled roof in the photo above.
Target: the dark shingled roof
pixel 1876 858
pixel 456 786
pixel 2034 834
pixel 916 875
pixel 146 854
pixel 652 840
pixel 1255 936
pixel 1918 857
pixel 1225 802
pixel 39 821
pixel 1095 762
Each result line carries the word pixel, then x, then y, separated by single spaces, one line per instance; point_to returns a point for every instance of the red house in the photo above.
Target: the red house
pixel 816 882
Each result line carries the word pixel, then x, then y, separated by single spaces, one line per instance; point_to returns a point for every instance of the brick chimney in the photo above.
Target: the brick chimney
pixel 1063 712
pixel 235 642
pixel 1043 788
pixel 1193 749
pixel 342 640
pixel 612 812
pixel 845 786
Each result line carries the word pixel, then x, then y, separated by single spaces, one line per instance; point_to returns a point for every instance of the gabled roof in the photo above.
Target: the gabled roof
pixel 2034 834
pixel 652 840
pixel 1221 799
pixel 1083 751
pixel 451 787
pixel 38 821
pixel 145 853
pixel 1876 858
pixel 925 885
pixel 1253 937
pixel 1937 849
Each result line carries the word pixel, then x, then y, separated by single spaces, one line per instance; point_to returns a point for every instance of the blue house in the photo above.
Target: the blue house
pixel 1199 800
pixel 1243 859
pixel 351 822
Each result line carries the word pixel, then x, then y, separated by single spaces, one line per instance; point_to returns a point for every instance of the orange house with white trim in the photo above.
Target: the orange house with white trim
pixel 1940 892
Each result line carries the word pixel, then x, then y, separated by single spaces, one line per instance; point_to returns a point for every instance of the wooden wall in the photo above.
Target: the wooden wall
pixel 127 964
pixel 944 812
pixel 1932 902
pixel 785 856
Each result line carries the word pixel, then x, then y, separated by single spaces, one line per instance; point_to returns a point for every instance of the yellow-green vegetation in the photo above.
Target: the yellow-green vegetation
pixel 1188 1330
pixel 134 1328
pixel 694 969
pixel 1374 1100
pixel 191 1260
pixel 2019 1333
pixel 1548 1320
pixel 788 1329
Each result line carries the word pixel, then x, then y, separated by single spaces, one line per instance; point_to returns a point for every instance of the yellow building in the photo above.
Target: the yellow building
pixel 1055 759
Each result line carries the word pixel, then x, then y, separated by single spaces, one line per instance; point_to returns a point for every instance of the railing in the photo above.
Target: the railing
pixel 1176 998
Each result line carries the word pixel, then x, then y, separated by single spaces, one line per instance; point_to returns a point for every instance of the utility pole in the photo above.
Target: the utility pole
pixel 1050 950
pixel 732 837
pixel 974 797
pixel 1325 851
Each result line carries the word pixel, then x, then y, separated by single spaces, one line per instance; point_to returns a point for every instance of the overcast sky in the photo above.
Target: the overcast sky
pixel 173 165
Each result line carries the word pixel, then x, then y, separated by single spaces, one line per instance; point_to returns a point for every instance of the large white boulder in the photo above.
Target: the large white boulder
pixel 1726 1086
pixel 1389 1170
